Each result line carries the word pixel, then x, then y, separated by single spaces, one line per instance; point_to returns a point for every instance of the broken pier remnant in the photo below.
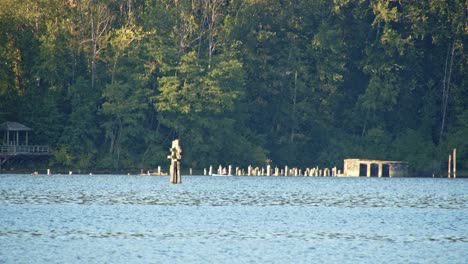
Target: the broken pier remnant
pixel 374 168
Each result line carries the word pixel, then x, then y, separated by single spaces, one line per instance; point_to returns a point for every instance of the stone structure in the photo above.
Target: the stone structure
pixel 374 168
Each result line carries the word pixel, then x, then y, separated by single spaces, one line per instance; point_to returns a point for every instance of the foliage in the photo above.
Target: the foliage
pixel 108 84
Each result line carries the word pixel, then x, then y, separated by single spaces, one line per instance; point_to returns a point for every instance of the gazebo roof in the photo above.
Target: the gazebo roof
pixel 14 126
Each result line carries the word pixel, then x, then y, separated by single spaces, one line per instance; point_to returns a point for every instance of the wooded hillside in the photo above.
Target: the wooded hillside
pixel 108 84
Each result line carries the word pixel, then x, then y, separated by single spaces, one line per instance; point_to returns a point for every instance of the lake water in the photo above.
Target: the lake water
pixel 144 219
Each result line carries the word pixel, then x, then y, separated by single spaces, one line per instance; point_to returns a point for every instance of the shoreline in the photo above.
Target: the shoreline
pixel 43 172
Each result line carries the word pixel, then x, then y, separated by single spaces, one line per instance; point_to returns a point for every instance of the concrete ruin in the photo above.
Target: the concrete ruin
pixel 374 168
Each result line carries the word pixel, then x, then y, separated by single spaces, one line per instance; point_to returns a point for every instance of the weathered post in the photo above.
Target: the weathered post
pixel 286 172
pixel 211 170
pixel 454 162
pixel 230 170
pixel 159 170
pixel 175 157
pixel 449 165
pixel 249 170
pixel 204 171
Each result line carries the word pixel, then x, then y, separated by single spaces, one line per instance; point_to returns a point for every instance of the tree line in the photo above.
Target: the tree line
pixel 109 83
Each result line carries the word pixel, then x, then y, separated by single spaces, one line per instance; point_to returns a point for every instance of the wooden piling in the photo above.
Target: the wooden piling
pixel 175 157
pixel 210 171
pixel 48 171
pixel 449 165
pixel 454 163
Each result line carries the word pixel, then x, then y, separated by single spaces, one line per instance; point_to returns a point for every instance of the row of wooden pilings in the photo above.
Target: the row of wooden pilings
pixel 269 171
pixel 452 164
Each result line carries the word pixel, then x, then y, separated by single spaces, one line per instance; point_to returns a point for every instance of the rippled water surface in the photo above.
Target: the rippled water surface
pixel 142 219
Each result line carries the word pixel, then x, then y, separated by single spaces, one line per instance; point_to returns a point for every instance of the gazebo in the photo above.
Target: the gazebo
pixel 15 143
pixel 15 133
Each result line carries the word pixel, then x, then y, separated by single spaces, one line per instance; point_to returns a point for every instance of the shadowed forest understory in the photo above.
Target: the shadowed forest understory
pixel 109 84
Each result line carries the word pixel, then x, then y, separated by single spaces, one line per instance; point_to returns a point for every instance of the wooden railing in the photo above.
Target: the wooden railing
pixel 23 150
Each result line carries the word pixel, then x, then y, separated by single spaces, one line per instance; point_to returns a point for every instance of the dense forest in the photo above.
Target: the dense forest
pixel 109 83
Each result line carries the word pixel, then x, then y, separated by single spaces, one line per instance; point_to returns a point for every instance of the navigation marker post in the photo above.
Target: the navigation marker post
pixel 175 157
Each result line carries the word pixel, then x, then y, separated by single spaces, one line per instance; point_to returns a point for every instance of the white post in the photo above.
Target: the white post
pixel 449 165
pixel 454 163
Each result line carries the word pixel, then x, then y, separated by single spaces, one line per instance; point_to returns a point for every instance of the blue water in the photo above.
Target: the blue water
pixel 143 219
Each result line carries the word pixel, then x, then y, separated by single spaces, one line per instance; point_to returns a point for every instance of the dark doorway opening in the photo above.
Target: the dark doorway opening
pixel 385 170
pixel 363 170
pixel 374 170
